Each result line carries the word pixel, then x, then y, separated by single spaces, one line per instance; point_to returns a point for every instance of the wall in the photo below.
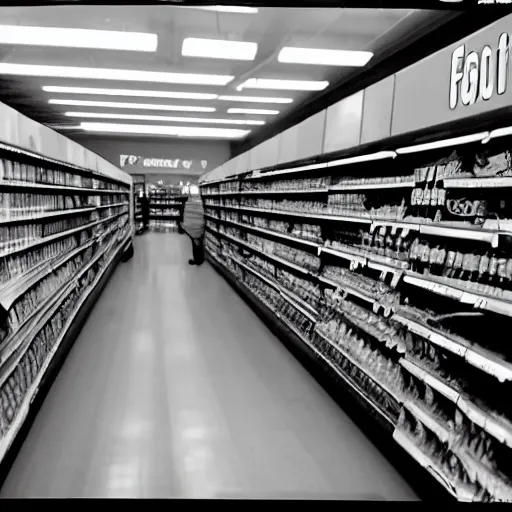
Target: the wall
pixel 214 153
pixel 415 98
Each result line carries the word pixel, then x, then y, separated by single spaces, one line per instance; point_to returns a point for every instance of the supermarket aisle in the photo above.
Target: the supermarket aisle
pixel 176 389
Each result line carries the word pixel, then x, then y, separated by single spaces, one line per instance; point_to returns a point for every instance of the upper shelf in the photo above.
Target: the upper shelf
pixel 25 139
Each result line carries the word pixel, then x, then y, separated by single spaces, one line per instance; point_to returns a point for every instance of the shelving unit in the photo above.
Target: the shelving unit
pixel 399 277
pixel 166 210
pixel 139 191
pixel 62 230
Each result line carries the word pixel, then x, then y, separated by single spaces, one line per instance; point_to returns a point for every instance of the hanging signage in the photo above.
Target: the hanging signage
pixel 478 75
pixel 159 163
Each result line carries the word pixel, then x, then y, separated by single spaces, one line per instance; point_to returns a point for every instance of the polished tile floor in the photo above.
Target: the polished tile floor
pixel 175 388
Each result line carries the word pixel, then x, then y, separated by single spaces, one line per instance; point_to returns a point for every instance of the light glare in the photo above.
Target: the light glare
pixel 78 38
pixel 176 131
pixel 135 106
pixel 130 75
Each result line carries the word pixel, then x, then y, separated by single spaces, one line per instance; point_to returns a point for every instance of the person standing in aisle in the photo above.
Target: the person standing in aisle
pixel 193 225
pixel 144 204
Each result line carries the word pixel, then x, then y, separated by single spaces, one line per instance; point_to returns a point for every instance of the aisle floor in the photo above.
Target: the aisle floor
pixel 175 388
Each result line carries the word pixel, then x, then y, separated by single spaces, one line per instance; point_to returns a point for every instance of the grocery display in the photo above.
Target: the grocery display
pixel 61 228
pixel 165 210
pixel 398 273
pixel 139 192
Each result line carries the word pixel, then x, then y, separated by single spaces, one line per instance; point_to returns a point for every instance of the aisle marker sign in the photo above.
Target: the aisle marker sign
pixel 479 75
pixel 159 163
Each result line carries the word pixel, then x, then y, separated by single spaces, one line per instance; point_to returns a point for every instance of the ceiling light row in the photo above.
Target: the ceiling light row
pixel 161 94
pixel 153 106
pixel 192 47
pixel 172 119
pixel 242 50
pixel 129 75
pixel 137 106
pixel 78 38
pixel 175 131
pixel 132 75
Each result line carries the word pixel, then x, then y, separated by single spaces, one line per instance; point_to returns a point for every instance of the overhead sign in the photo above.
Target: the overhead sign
pixel 468 78
pixel 135 161
pixel 479 74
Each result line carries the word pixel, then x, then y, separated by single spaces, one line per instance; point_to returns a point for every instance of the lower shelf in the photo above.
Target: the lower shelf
pixel 13 438
pixel 361 409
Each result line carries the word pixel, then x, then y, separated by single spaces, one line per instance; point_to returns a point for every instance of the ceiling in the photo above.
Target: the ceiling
pixel 381 31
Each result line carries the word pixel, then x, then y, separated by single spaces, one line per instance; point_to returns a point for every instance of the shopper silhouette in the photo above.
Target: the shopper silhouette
pixel 144 205
pixel 193 226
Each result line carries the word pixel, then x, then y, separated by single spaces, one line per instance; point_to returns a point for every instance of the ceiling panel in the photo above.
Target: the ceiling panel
pixel 378 30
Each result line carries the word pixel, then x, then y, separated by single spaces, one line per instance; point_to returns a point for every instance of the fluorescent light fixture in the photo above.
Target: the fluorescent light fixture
pixel 129 92
pixel 255 99
pixel 289 85
pixel 136 106
pixel 176 131
pixel 172 119
pixel 456 141
pixel 324 57
pixel 78 38
pixel 224 8
pixel 381 155
pixel 253 111
pixel 130 75
pixel 499 132
pixel 218 49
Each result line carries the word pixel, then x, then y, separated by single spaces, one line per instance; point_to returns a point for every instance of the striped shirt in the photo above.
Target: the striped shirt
pixel 193 217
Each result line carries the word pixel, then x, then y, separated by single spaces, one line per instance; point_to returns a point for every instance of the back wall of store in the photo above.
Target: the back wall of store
pixel 167 161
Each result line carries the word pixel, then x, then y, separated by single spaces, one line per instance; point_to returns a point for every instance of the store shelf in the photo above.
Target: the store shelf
pixel 45 215
pixel 499 182
pixel 347 289
pixel 305 191
pixel 435 425
pixel 24 185
pixel 432 467
pixel 372 186
pixel 374 261
pixel 361 394
pixel 478 301
pixel 15 288
pixel 165 205
pixel 380 413
pixel 497 427
pixel 356 363
pixel 23 336
pixel 400 306
pixel 220 194
pixel 103 206
pixel 9 345
pixel 265 231
pixel 55 214
pixel 47 239
pixel 478 357
pixel 262 254
pixel 7 439
pixel 480 234
pixel 259 275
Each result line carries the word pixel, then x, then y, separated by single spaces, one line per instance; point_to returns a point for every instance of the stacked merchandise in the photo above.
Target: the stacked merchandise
pixel 139 192
pixel 392 276
pixel 166 210
pixel 61 228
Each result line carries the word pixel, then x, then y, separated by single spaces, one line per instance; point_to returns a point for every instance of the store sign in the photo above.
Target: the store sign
pixel 479 75
pixel 158 163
